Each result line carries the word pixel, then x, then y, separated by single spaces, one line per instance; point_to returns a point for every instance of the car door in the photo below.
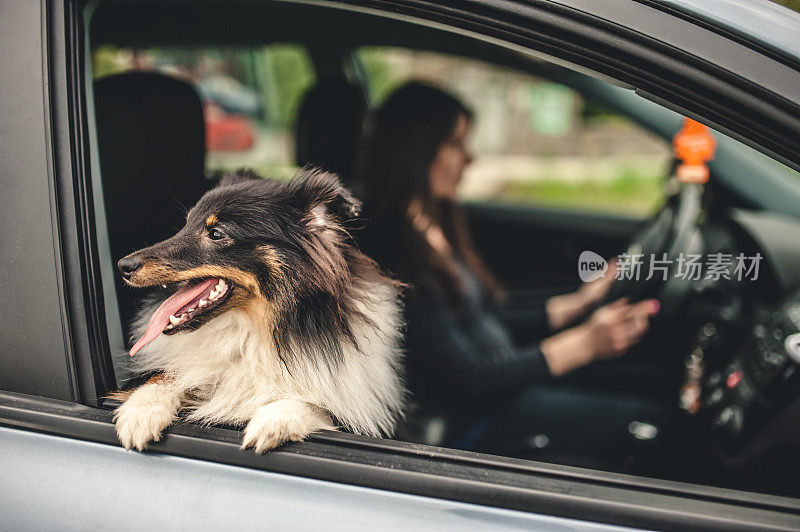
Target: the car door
pixel 64 467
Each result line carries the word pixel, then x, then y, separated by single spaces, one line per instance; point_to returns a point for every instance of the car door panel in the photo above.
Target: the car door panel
pixel 162 492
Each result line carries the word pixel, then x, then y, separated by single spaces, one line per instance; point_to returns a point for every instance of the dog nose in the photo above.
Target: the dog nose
pixel 127 266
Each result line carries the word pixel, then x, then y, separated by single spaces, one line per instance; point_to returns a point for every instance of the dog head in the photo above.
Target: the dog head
pixel 251 242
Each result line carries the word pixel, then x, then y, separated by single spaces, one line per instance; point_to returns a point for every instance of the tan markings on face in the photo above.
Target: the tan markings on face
pixel 153 272
pixel 211 220
pixel 272 260
pixel 262 312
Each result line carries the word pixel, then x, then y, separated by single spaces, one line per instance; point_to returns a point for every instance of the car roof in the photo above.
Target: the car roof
pixel 763 23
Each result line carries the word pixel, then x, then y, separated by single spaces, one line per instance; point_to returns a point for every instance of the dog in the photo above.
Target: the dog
pixel 276 322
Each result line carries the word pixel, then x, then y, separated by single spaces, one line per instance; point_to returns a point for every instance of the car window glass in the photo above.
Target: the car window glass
pixel 250 97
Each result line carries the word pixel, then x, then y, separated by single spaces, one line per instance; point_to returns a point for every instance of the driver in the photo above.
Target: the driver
pixel 462 360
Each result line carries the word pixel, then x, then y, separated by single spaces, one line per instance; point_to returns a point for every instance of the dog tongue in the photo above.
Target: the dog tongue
pixel 178 300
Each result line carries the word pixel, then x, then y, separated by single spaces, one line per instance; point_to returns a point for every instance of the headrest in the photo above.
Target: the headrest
pixel 329 123
pixel 151 138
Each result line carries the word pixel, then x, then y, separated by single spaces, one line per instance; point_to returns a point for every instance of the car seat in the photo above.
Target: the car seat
pixel 151 140
pixel 329 125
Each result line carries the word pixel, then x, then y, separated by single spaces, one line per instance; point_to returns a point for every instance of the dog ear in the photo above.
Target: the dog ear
pixel 239 176
pixel 323 194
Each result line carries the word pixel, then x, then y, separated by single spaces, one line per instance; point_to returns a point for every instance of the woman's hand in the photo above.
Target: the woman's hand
pixel 565 309
pixel 615 328
pixel 608 333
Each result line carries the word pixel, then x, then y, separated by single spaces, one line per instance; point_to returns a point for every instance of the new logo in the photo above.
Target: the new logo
pixel 591 266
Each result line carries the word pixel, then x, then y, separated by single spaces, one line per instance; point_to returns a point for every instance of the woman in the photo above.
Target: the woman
pixel 460 349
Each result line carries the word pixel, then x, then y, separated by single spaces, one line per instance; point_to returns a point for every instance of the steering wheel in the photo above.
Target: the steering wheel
pixel 673 231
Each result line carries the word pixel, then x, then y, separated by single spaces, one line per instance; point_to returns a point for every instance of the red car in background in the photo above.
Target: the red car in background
pixel 227 132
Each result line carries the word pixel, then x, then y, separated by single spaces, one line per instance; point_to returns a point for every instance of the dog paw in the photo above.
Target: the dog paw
pixel 282 421
pixel 143 417
pixel 265 434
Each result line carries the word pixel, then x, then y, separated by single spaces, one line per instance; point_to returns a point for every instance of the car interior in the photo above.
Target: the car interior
pixel 154 148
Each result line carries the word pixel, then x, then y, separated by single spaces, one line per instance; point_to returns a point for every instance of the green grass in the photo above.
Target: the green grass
pixel 630 193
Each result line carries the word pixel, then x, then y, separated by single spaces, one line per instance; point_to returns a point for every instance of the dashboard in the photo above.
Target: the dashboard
pixel 762 378
pixel 747 394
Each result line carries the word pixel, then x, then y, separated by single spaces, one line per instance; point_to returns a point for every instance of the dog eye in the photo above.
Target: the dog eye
pixel 216 234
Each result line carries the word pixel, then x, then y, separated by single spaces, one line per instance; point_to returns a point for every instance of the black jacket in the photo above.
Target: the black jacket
pixel 468 352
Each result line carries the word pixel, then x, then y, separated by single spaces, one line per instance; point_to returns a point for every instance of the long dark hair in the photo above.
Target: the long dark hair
pixel 407 133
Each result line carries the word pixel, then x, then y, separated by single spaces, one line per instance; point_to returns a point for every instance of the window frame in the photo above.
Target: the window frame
pixel 385 464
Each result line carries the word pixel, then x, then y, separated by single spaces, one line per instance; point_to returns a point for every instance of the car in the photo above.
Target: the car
pixel 93 164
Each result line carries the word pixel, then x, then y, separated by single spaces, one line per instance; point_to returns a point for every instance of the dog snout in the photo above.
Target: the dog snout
pixel 128 265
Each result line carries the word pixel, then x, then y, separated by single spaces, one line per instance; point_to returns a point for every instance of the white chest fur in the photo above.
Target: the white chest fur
pixel 230 368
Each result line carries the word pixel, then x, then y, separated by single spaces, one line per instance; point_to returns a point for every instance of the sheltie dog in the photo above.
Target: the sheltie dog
pixel 276 322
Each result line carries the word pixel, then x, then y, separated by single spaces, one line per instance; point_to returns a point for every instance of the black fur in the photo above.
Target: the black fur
pixel 289 236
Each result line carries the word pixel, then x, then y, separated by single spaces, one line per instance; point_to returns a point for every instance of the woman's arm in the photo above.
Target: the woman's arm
pixel 538 318
pixel 474 352
pixel 563 310
pixel 527 320
pixel 608 333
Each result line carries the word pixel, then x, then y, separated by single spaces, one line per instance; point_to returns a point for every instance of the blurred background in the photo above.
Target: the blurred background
pixel 535 142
